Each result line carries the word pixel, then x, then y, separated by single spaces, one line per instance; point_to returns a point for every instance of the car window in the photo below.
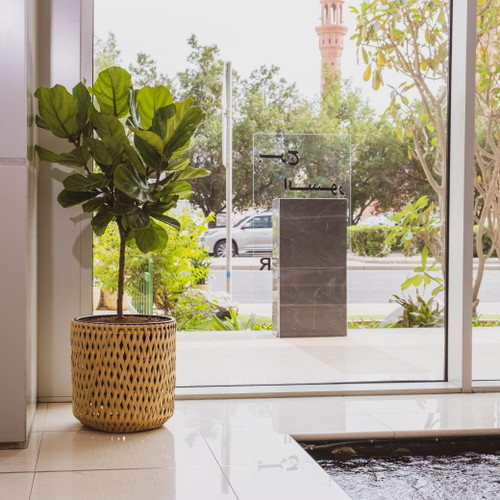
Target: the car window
pixel 260 222
pixel 241 221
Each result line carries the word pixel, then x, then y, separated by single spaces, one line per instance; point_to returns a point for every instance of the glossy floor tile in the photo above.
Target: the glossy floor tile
pixel 281 481
pixel 88 450
pixel 138 484
pixel 16 486
pixel 21 460
pixel 235 449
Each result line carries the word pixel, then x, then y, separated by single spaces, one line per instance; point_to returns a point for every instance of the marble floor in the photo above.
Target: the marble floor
pixel 364 355
pixel 225 449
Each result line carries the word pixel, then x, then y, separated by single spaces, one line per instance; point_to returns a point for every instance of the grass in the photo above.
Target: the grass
pixel 357 321
pixel 243 319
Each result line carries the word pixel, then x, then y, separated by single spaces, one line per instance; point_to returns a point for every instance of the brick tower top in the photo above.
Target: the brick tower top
pixel 331 34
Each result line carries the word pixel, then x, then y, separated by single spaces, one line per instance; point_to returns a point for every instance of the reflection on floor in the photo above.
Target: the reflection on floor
pixel 226 449
pixel 192 457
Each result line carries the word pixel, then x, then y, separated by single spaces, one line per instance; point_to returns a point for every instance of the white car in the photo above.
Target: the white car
pixel 253 233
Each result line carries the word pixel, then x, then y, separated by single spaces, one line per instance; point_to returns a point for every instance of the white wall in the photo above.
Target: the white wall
pixel 18 222
pixel 64 235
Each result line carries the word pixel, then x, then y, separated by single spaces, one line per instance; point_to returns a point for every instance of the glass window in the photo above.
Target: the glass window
pixel 374 134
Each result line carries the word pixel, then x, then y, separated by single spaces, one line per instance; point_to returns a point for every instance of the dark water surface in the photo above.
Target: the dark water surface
pixel 408 470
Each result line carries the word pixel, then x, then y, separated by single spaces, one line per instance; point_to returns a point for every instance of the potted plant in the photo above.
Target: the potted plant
pixel 127 152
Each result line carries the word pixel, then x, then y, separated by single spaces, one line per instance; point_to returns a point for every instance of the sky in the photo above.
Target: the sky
pixel 249 34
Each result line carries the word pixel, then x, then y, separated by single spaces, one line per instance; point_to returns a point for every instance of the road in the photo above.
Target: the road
pixel 363 286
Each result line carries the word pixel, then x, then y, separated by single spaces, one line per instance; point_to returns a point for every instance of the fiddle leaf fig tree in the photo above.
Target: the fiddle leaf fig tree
pixel 127 154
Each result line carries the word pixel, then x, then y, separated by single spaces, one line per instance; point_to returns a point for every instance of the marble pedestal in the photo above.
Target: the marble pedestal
pixel 309 267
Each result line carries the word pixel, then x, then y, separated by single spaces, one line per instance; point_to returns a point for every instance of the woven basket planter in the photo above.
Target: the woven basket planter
pixel 123 375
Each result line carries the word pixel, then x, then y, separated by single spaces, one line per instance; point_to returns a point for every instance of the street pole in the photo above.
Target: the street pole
pixel 227 161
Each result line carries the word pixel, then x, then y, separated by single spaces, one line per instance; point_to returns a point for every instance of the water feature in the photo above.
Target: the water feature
pixel 424 469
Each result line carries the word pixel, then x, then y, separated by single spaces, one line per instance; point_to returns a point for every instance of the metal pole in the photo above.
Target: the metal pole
pixel 227 161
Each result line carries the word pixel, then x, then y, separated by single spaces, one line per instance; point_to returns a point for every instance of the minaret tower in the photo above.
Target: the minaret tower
pixel 331 34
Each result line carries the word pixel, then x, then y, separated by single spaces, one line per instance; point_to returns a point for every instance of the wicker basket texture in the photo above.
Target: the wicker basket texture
pixel 123 375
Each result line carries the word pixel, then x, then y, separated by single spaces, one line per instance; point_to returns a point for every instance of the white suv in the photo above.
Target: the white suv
pixel 253 233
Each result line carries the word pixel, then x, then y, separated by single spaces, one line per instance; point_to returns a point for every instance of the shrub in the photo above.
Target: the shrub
pixel 369 241
pixel 173 270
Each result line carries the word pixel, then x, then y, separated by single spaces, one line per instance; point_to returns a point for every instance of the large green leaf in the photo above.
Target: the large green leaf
pixel 71 198
pixel 93 204
pixel 138 218
pixel 107 125
pixel 177 165
pixel 184 131
pixel 123 204
pixel 90 182
pixel 79 157
pixel 134 119
pixel 192 173
pixel 160 120
pixel 149 100
pixel 181 109
pixel 82 96
pixel 150 138
pixel 167 220
pixel 100 221
pixel 148 153
pixel 99 151
pixel 182 189
pixel 134 158
pixel 152 239
pixel 112 89
pixel 128 180
pixel 41 123
pixel 58 110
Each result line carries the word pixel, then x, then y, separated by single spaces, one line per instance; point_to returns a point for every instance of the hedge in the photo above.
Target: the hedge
pixel 369 241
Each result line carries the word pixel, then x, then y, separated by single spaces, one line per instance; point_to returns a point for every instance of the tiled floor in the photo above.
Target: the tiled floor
pixel 225 449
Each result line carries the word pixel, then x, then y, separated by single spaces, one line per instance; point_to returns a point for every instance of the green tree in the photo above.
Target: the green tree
pixel 382 174
pixel 144 72
pixel 411 37
pixel 204 78
pixel 264 102
pixel 106 53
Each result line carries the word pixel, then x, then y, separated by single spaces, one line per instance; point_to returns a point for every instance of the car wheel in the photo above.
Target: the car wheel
pixel 220 249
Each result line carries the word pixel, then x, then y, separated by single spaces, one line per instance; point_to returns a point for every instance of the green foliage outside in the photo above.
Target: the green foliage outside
pixel 200 265
pixel 419 313
pixel 418 225
pixel 173 270
pixel 369 241
pixel 411 37
pixel 382 174
pixel 234 323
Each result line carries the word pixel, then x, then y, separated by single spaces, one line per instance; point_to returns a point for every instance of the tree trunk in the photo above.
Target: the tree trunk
pixel 121 272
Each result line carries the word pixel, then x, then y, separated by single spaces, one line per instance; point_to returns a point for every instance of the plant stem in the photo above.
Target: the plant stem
pixel 121 270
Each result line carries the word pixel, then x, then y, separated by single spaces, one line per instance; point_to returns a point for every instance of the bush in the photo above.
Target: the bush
pixel 173 270
pixel 369 241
